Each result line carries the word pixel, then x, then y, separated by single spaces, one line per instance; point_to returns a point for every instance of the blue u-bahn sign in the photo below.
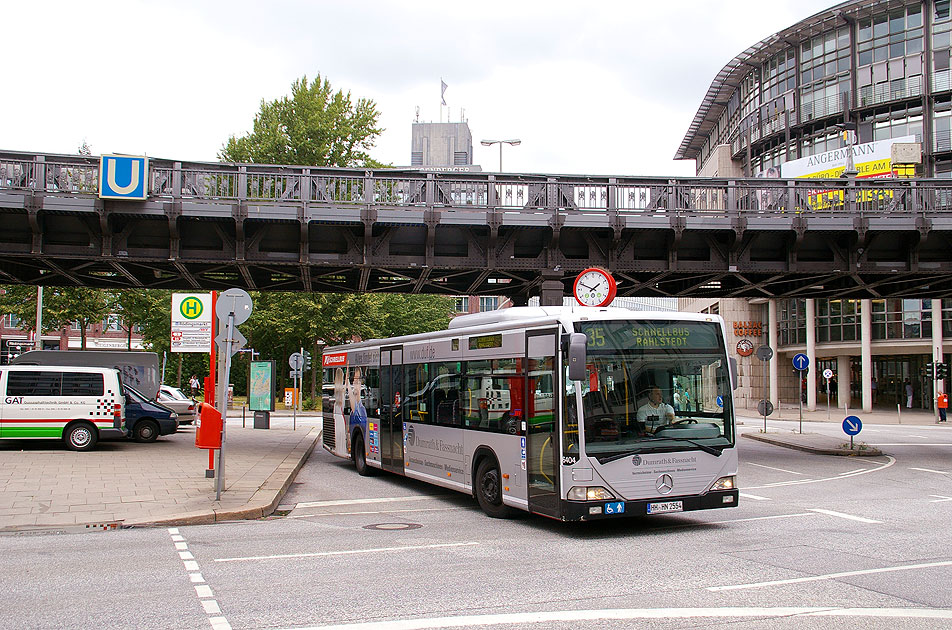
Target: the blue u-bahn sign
pixel 123 177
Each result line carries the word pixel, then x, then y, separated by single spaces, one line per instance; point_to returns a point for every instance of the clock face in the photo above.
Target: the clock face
pixel 594 287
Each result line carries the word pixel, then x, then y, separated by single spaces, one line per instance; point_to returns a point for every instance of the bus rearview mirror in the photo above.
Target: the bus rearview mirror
pixel 733 373
pixel 576 356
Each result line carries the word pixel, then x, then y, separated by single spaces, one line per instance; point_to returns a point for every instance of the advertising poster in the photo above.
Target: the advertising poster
pixel 261 386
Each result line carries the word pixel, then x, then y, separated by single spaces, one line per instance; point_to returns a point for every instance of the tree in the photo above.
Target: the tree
pixel 19 300
pixel 314 127
pixel 65 305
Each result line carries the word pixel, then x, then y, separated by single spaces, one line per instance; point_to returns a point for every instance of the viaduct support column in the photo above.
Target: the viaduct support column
pixel 772 338
pixel 811 354
pixel 866 349
pixel 552 289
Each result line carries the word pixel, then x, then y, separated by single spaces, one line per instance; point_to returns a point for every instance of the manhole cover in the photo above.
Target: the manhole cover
pixel 393 526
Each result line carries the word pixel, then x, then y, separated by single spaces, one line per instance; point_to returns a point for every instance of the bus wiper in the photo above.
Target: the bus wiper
pixel 704 447
pixel 648 447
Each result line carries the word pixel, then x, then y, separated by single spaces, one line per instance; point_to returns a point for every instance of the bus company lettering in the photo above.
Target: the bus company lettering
pixel 365 357
pixel 439 445
pixel 421 353
pixel 331 360
pixel 666 337
pixel 638 460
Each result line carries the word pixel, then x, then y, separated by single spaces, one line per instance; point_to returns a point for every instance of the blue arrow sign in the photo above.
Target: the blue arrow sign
pixel 720 401
pixel 852 425
pixel 801 361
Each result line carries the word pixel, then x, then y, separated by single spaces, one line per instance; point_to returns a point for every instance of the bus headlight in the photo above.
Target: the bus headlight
pixel 724 483
pixel 589 493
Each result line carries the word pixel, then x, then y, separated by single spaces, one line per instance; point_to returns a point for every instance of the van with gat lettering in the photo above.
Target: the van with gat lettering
pixel 79 405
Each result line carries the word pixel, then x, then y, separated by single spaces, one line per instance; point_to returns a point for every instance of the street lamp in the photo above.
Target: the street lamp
pixel 489 143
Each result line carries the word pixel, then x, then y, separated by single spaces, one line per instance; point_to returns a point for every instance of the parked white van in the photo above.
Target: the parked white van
pixel 78 405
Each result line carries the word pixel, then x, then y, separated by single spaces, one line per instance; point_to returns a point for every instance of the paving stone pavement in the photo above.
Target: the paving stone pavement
pixel 124 483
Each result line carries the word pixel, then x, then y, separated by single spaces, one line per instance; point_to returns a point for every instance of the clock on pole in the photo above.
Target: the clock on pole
pixel 594 287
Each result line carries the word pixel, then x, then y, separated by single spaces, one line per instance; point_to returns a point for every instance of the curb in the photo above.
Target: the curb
pixel 819 450
pixel 259 506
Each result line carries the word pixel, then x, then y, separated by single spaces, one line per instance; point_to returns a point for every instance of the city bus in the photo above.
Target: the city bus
pixel 550 410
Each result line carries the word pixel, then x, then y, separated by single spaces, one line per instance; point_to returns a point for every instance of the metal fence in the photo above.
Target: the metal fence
pixel 391 188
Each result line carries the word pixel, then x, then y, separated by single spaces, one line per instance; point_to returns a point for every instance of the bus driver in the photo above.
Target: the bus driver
pixel 655 413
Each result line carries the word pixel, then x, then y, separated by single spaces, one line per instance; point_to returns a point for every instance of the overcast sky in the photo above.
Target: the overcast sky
pixel 600 88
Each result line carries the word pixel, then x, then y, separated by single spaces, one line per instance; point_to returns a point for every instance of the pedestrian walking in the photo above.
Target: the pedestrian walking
pixel 943 402
pixel 908 394
pixel 193 385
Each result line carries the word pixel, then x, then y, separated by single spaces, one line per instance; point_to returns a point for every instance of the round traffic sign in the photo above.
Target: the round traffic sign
pixel 801 361
pixel 719 401
pixel 764 353
pixel 827 373
pixel 296 361
pixel 235 301
pixel 852 425
pixel 764 407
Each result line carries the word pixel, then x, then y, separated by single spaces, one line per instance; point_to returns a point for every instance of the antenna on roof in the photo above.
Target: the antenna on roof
pixel 417 114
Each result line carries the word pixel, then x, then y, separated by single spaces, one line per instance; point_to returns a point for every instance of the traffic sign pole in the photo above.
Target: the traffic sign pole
pixel 764 353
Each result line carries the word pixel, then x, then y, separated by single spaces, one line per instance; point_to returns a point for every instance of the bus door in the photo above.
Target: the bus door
pixel 391 408
pixel 543 449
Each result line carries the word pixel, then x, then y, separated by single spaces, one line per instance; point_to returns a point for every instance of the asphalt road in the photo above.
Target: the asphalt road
pixel 817 541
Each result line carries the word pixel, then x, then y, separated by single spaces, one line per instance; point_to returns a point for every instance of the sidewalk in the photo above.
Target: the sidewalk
pixel 125 483
pixel 812 442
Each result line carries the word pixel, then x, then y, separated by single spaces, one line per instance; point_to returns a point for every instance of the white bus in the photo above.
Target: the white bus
pixel 493 405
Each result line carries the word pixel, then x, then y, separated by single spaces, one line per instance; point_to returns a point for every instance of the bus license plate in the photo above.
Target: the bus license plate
pixel 669 506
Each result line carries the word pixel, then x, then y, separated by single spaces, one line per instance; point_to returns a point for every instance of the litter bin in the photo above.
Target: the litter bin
pixel 262 419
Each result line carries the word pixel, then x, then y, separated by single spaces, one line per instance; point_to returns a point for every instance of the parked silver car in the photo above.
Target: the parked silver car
pixel 177 401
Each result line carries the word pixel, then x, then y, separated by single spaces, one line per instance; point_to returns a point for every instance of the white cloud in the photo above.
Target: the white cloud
pixel 596 88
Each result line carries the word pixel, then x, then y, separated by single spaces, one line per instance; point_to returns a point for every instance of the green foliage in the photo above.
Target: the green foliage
pixel 310 404
pixel 20 300
pixel 315 126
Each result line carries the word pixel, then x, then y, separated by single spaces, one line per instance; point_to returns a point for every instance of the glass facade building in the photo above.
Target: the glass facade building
pixel 883 65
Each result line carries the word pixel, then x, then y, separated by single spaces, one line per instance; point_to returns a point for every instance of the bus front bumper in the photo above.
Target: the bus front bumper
pixel 592 510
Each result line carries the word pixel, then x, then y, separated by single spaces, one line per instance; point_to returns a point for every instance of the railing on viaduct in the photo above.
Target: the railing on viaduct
pixel 209 225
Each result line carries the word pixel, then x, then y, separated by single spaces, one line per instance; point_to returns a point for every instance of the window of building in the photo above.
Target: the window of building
pixel 488 304
pixel 461 305
pixel 112 323
pixel 11 321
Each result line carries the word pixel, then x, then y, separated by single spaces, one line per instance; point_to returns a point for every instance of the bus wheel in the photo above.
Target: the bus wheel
pixel 489 490
pixel 360 457
pixel 80 437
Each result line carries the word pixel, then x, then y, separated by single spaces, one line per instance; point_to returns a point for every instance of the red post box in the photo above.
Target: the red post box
pixel 208 431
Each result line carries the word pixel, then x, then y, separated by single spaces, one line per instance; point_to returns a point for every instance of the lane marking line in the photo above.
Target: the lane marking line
pixel 792 472
pixel 831 576
pixel 203 591
pixel 211 607
pixel 219 623
pixel 848 517
pixel 307 504
pixel 939 498
pixel 911 444
pixel 938 472
pixel 535 618
pixel 347 552
pixel 892 460
pixel 754 497
pixel 853 471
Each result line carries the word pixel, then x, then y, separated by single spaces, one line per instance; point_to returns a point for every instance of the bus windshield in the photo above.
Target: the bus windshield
pixel 651 386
